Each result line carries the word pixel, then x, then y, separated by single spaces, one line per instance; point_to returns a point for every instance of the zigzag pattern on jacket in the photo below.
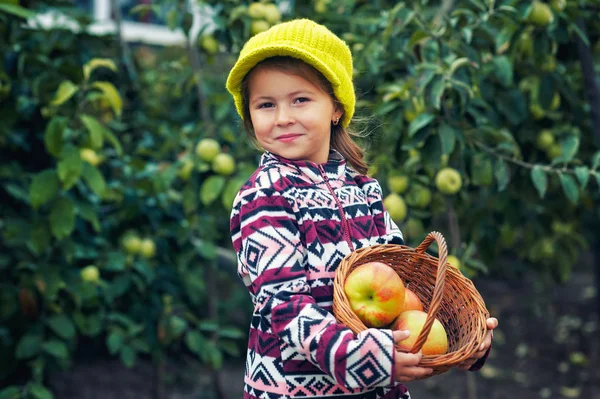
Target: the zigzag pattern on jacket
pixel 288 227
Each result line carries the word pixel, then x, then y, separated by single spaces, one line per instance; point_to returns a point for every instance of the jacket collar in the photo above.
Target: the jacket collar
pixel 335 167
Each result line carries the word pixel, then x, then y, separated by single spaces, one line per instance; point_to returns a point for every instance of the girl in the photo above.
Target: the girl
pixel 307 206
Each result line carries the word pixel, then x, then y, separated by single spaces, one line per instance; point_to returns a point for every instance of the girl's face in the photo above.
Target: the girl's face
pixel 291 116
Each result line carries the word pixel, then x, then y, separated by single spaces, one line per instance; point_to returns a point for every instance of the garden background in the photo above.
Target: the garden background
pixel 117 276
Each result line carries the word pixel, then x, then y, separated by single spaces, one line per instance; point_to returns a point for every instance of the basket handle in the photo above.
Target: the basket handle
pixel 438 290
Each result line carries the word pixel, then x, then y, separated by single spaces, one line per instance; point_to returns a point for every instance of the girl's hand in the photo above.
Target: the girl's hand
pixel 492 323
pixel 406 368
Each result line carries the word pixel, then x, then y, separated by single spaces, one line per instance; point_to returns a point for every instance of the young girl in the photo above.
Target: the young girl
pixel 307 206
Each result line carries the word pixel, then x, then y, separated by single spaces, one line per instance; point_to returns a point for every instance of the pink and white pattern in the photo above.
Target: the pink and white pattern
pixel 288 229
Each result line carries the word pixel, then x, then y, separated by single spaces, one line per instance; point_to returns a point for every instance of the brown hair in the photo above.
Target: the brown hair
pixel 341 138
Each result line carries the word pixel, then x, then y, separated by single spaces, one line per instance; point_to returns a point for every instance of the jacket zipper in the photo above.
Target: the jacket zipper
pixel 345 225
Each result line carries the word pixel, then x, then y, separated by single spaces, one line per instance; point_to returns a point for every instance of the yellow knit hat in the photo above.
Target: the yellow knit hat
pixel 308 41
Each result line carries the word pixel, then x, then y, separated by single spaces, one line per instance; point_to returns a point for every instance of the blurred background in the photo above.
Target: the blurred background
pixel 121 154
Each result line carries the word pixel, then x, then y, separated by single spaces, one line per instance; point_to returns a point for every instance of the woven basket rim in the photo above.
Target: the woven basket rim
pixel 446 275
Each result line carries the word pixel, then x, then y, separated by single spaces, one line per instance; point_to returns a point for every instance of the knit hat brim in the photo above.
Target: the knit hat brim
pixel 292 49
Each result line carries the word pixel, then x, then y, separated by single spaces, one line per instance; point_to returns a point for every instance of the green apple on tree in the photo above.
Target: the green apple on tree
pixel 448 181
pixel 395 206
pixel 209 44
pixel 540 14
pixel 147 248
pixel 544 140
pixel 454 262
pixel 223 164
pixel 272 14
pixel 186 169
pixel 258 26
pixel 207 149
pixel 132 244
pixel 397 183
pixel 375 293
pixel 418 196
pixel 90 274
pixel 90 156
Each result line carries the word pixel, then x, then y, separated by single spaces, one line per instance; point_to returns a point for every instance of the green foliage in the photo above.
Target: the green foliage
pixel 116 230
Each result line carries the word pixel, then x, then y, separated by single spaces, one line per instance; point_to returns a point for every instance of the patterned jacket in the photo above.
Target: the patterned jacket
pixel 291 224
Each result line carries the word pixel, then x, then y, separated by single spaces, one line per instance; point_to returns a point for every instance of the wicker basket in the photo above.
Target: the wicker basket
pixel 446 295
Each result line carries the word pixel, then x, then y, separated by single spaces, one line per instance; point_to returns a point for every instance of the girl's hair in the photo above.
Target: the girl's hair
pixel 341 139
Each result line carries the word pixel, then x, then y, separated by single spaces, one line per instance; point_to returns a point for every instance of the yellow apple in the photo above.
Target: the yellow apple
pixel 413 321
pixel 411 301
pixel 375 293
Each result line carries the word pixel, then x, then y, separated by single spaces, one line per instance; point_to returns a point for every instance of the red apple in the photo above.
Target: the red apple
pixel 375 293
pixel 411 301
pixel 413 320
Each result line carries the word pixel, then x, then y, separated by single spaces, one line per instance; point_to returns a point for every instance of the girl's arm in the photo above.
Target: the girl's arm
pixel 272 263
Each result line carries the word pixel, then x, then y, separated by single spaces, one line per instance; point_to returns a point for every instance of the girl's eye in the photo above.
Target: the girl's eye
pixel 266 105
pixel 301 100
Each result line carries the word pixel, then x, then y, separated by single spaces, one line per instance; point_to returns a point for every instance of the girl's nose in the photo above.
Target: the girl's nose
pixel 285 117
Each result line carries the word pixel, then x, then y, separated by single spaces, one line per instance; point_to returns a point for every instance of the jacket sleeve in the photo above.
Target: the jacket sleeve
pixel 272 264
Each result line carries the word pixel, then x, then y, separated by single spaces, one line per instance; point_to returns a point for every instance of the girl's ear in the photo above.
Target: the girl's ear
pixel 337 114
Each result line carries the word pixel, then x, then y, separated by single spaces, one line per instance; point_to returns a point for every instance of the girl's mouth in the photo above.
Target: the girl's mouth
pixel 287 138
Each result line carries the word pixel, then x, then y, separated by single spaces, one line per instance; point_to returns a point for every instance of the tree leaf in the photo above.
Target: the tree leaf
pixel 17 11
pixel 437 91
pixel 112 95
pixel 128 356
pixel 94 179
pixel 569 147
pixel 570 188
pixel 583 175
pixel 12 392
pixel 419 123
pixel 38 391
pixel 113 140
pixel 62 218
pixel 194 341
pixel 447 138
pixel 54 135
pixel 98 63
pixel 482 173
pixel 458 63
pixel 211 189
pixel 540 180
pixel 96 130
pixel 56 348
pixel 29 345
pixel 87 212
pixel 69 166
pixel 501 173
pixel 114 342
pixel 44 187
pixel 417 36
pixel 503 70
pixel 62 325
pixel 65 91
pixel 596 160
